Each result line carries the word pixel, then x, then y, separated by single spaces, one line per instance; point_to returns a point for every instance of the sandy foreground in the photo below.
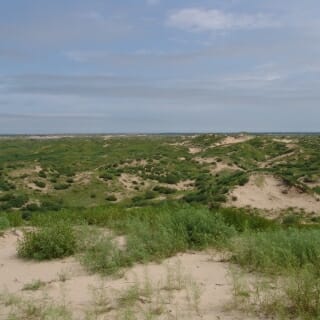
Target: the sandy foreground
pixel 187 286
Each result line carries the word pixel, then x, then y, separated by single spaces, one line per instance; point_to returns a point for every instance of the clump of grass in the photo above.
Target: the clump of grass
pixel 104 257
pixel 293 296
pixel 278 250
pixel 34 285
pixel 52 242
pixel 294 257
pixel 30 311
pixel 146 299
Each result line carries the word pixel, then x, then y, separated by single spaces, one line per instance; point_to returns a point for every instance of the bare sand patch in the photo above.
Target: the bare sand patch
pixel 183 185
pixel 135 163
pixel 205 160
pixel 285 140
pixel 83 178
pixel 270 193
pixel 220 166
pixel 277 160
pixel 216 166
pixel 233 140
pixel 108 137
pixel 15 272
pixel 187 286
pixel 129 181
pixel 25 171
pixel 33 186
pixel 194 150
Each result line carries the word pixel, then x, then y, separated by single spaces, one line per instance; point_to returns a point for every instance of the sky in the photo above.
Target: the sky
pixel 110 66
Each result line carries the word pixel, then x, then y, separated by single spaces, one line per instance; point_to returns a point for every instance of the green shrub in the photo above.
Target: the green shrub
pixel 171 179
pixel 17 201
pixel 316 190
pixel 39 183
pixel 61 186
pixel 7 197
pixel 150 195
pixel 111 198
pixel 4 223
pixel 55 241
pixel 164 190
pixel 42 174
pixel 32 207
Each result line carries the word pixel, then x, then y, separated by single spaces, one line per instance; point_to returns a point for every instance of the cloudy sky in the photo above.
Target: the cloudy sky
pixel 92 66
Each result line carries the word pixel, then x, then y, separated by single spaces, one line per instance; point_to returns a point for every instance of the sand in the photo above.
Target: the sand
pixel 194 150
pixel 192 285
pixel 270 193
pixel 233 140
pixel 83 178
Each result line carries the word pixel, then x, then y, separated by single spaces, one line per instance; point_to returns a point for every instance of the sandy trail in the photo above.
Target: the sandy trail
pixel 204 274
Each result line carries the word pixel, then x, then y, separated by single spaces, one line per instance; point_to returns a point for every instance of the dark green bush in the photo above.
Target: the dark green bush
pixel 42 174
pixel 164 190
pixel 111 198
pixel 61 186
pixel 39 183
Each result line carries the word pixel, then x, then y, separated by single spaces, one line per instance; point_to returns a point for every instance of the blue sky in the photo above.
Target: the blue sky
pixel 92 66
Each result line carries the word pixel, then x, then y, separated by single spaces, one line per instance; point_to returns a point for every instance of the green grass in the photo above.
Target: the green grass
pixel 294 256
pixel 158 234
pixel 278 251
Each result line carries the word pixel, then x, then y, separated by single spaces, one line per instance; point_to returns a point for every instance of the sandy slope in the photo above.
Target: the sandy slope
pixel 200 275
pixel 268 192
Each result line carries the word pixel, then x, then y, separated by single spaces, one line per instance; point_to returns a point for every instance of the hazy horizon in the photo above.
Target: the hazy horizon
pixel 160 66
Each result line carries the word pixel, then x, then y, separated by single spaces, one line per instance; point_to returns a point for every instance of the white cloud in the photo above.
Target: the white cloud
pixel 197 19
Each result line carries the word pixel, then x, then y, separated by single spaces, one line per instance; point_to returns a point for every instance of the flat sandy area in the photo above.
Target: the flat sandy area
pixel 187 286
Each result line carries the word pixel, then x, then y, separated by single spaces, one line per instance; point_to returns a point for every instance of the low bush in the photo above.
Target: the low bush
pixel 61 186
pixel 111 198
pixel 164 190
pixel 55 241
pixel 39 183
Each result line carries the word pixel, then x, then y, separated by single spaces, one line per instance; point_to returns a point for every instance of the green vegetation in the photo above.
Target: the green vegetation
pixel 294 256
pixel 4 223
pixel 123 200
pixel 52 242
pixel 278 251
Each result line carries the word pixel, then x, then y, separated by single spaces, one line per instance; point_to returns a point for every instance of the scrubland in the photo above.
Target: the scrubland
pixel 160 227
